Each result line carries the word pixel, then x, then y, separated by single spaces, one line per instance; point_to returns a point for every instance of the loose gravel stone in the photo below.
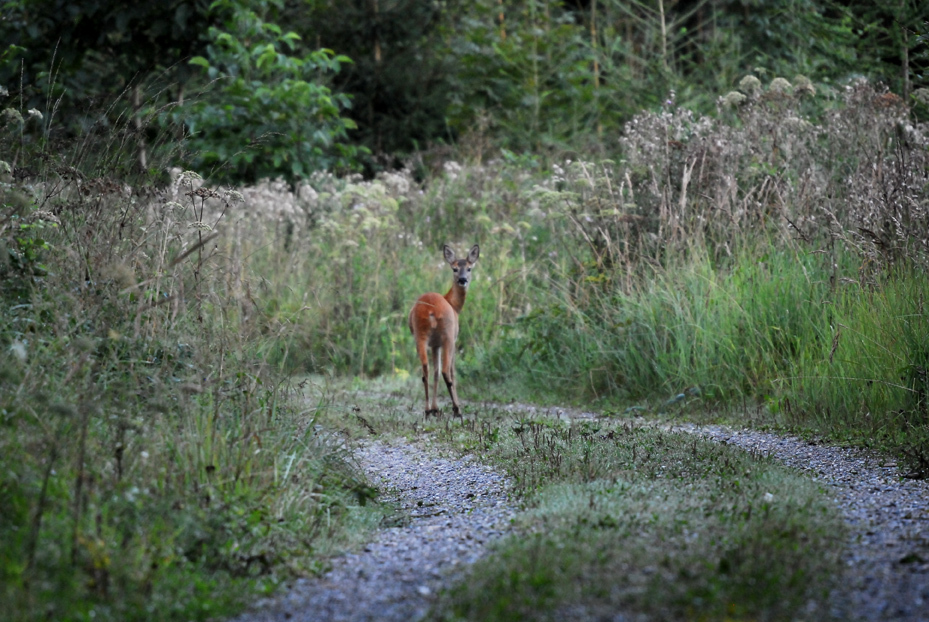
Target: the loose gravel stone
pixel 456 508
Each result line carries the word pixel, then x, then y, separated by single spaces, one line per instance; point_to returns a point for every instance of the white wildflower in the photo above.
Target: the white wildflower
pixel 750 85
pixel 796 123
pixel 780 85
pixel 452 169
pixel 235 195
pixel 733 99
pixel 18 350
pixel 307 193
pixel 10 116
pixel 803 86
pixel 191 175
pixel 34 113
pixel 396 183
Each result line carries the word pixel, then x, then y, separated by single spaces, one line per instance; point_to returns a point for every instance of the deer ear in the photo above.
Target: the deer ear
pixel 449 254
pixel 472 256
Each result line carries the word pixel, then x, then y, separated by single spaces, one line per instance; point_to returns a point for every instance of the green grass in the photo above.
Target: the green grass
pixel 130 496
pixel 587 292
pixel 618 284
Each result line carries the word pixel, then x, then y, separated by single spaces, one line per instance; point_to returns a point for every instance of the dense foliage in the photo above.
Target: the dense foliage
pixel 729 255
pixel 260 88
pixel 267 115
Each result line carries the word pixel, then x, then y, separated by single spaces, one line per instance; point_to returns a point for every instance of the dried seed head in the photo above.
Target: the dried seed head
pixel 204 193
pixel 733 99
pixel 749 85
pixel 121 274
pixel 803 86
pixel 780 85
pixel 10 116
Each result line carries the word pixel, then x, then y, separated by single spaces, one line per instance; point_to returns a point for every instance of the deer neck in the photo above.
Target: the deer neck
pixel 456 297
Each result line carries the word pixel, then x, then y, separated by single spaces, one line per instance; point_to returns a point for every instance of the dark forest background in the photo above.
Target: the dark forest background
pixel 365 83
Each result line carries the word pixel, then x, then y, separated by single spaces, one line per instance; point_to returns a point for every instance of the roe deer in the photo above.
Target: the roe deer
pixel 434 324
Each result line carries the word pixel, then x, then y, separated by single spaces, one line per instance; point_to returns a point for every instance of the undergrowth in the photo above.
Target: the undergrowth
pixel 153 466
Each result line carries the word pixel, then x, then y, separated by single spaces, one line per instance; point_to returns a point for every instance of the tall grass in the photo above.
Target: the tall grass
pixel 729 331
pixel 867 379
pixel 717 259
pixel 152 463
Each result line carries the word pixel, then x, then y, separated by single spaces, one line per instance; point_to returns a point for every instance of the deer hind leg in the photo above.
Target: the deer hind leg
pixel 448 373
pixel 435 382
pixel 424 360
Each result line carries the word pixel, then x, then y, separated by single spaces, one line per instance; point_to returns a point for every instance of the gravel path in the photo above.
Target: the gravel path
pixel 458 506
pixel 888 555
pixel 455 506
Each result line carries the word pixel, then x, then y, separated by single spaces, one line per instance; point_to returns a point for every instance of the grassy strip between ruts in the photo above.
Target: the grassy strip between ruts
pixel 619 517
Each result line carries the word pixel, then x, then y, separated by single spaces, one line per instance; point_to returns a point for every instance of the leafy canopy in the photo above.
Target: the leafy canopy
pixel 265 112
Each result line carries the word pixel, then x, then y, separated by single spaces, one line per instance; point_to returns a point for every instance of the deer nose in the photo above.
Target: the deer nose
pixel 462 281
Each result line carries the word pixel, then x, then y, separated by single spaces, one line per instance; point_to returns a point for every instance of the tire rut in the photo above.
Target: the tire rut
pixel 455 508
pixel 887 555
